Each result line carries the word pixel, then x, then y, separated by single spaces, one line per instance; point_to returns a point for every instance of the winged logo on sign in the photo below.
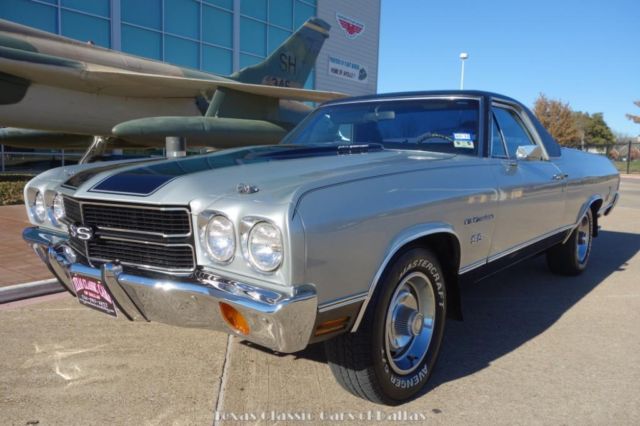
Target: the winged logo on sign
pixel 352 28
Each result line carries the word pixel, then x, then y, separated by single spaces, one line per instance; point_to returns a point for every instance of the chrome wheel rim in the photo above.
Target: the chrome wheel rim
pixel 583 239
pixel 410 323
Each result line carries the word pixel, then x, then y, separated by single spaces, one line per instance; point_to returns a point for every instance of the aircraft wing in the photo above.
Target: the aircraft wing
pixel 50 70
pixel 152 85
pixel 41 139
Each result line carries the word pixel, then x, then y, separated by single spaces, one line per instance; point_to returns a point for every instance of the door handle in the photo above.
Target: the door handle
pixel 510 164
pixel 560 176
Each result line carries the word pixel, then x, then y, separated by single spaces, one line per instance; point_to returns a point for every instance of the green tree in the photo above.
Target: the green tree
pixel 597 132
pixel 583 121
pixel 635 118
pixel 558 118
pixel 593 129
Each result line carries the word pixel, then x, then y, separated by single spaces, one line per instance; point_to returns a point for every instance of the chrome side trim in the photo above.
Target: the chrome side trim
pixel 480 263
pixel 343 301
pixel 472 266
pixel 397 245
pixel 527 243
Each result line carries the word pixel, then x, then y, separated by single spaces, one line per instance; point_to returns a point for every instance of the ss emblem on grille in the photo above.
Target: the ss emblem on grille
pixel 81 232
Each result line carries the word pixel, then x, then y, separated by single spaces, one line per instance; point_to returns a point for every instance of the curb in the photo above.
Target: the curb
pixel 33 289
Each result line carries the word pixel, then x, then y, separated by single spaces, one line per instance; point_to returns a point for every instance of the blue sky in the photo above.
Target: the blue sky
pixel 586 52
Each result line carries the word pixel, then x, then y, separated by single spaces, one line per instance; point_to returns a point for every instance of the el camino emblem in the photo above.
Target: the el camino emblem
pixel 477 219
pixel 84 233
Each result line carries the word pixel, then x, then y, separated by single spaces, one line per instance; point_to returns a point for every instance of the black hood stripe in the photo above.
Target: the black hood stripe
pixel 144 181
pixel 80 178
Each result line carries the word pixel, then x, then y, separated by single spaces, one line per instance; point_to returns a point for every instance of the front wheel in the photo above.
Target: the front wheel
pixel 391 357
pixel 572 257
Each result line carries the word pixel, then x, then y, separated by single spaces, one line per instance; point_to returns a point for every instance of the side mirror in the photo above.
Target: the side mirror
pixel 529 153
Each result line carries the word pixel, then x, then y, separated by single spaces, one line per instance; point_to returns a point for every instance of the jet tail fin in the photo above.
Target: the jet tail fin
pixel 291 63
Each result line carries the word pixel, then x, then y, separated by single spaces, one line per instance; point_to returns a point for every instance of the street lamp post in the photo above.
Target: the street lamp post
pixel 463 57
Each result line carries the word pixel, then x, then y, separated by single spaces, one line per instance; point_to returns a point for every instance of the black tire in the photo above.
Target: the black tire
pixel 572 257
pixel 363 362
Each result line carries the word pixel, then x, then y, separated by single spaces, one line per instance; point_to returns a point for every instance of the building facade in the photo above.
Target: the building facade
pixel 219 36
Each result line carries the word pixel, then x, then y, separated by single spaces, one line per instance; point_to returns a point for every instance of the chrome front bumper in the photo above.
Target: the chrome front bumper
pixel 277 320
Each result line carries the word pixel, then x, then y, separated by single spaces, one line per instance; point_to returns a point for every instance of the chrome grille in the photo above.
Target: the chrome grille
pixel 170 258
pixel 72 210
pixel 165 222
pixel 158 238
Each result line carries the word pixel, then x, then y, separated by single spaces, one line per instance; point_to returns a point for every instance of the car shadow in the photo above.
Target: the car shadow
pixel 506 310
pixel 503 312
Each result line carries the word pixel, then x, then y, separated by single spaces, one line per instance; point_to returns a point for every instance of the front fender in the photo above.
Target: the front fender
pixel 403 239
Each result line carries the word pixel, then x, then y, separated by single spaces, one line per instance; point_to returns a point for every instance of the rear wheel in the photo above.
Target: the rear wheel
pixel 390 358
pixel 572 257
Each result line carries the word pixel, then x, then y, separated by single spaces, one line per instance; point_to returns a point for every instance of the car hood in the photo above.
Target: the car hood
pixel 275 174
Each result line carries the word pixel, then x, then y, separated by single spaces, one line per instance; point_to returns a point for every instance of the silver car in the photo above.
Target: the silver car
pixel 356 230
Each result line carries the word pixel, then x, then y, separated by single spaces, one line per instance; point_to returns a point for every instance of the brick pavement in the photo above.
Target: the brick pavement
pixel 18 263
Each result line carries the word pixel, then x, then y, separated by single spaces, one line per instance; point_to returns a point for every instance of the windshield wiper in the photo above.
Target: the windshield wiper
pixel 300 151
pixel 358 149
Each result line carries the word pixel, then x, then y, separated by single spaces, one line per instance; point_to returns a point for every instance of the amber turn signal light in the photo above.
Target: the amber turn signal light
pixel 331 326
pixel 234 318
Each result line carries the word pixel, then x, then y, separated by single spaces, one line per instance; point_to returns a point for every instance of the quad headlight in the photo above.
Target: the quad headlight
pixel 58 207
pixel 220 239
pixel 264 246
pixel 39 209
pixel 260 241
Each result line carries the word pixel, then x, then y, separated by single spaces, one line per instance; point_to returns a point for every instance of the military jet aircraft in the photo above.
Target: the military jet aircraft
pixel 61 93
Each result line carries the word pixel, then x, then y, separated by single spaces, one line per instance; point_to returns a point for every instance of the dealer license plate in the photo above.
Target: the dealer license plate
pixel 94 294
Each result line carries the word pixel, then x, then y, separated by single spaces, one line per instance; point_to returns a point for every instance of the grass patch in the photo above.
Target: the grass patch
pixel 634 167
pixel 11 187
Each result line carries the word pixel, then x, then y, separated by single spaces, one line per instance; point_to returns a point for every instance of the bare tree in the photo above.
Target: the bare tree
pixel 635 118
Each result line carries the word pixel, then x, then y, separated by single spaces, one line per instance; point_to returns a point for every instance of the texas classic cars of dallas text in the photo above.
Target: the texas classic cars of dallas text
pixel 355 230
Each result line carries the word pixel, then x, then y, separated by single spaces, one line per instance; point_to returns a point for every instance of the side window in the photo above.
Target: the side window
pixel 497 143
pixel 513 130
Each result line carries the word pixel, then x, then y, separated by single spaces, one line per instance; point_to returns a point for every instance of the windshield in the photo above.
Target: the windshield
pixel 440 125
